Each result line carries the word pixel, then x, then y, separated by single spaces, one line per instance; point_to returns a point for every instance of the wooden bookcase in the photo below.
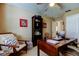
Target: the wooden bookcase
pixel 36 29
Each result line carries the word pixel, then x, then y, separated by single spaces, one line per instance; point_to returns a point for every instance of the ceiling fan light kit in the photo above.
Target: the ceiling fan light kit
pixel 51 4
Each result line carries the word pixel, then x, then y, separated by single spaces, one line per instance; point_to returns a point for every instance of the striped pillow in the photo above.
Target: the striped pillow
pixel 8 39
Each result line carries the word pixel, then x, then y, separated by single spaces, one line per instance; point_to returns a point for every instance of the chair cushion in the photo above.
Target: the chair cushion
pixel 20 47
pixel 4 37
pixel 1 53
pixel 4 53
pixel 8 39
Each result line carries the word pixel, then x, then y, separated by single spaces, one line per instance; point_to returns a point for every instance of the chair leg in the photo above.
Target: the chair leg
pixel 15 52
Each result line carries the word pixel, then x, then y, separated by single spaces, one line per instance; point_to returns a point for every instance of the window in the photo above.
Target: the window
pixel 72 26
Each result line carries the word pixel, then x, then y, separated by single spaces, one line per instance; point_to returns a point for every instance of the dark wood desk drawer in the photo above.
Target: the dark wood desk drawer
pixel 49 49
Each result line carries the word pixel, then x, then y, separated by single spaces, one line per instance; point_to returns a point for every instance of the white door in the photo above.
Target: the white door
pixel 53 28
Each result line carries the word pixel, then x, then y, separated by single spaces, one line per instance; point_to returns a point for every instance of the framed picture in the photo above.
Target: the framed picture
pixel 44 25
pixel 23 23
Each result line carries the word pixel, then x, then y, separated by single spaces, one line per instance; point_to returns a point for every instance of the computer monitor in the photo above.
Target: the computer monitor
pixel 61 34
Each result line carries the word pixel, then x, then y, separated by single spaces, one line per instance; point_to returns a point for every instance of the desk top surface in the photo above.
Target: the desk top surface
pixel 61 43
pixel 64 42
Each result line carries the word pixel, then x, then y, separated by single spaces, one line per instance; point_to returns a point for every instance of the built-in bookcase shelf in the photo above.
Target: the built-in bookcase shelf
pixel 36 29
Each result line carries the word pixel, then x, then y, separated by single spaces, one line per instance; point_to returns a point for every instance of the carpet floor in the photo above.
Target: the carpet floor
pixel 33 52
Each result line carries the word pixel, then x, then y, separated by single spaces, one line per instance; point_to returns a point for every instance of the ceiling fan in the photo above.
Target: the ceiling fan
pixel 52 4
pixel 39 3
pixel 59 4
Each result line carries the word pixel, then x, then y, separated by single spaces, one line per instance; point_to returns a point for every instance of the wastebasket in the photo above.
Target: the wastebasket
pixel 29 44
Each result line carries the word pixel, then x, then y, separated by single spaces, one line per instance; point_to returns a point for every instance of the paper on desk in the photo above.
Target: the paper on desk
pixel 57 38
pixel 52 42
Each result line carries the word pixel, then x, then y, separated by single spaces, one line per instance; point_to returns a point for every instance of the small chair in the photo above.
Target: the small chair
pixel 47 36
pixel 10 45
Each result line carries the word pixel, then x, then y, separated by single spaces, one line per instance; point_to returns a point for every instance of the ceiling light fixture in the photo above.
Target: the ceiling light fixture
pixel 51 4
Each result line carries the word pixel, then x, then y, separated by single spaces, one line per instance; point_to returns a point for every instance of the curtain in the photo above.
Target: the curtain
pixel 72 26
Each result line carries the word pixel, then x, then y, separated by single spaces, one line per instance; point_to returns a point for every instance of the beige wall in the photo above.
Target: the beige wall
pixel 49 25
pixel 2 18
pixel 12 16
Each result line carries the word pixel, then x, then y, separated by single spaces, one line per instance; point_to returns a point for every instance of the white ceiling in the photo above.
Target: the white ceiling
pixel 44 8
pixel 58 10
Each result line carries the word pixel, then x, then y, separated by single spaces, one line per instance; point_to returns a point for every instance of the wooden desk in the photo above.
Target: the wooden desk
pixel 52 50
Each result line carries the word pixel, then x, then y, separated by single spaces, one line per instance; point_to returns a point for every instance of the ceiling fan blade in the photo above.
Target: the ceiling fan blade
pixel 60 5
pixel 39 3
